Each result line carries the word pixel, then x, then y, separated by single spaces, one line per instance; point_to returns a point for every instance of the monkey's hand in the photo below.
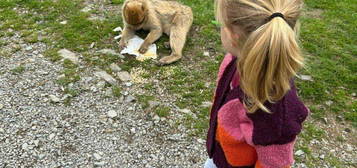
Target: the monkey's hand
pixel 144 48
pixel 122 45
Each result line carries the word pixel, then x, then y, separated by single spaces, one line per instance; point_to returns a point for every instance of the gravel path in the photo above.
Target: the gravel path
pixel 38 130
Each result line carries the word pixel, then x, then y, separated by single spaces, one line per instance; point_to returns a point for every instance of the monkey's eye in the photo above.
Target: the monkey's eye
pixel 142 8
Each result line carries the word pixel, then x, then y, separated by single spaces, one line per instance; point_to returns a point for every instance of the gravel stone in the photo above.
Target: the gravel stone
pixel 114 67
pixel 66 54
pixel 110 52
pixel 129 99
pixel 105 76
pixel 97 156
pixel 112 114
pixel 299 153
pixel 54 98
pixel 124 76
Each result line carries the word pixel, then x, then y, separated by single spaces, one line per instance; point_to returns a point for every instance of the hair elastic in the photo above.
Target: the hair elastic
pixel 278 14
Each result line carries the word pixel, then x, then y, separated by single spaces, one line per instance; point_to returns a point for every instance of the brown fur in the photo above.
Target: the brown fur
pixel 157 16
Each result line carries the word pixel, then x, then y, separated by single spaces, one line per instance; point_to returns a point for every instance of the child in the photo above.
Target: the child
pixel 256 114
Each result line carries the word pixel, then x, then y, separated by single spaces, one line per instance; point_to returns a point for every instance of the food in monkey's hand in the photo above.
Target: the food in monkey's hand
pixel 157 16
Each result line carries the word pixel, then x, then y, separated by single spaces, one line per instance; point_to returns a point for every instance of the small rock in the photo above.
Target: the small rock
pixel 167 45
pixel 41 156
pixel 299 153
pixel 2 130
pixel 156 118
pixel 112 114
pixel 132 130
pixel 66 54
pixel 54 99
pixel 349 148
pixel 124 76
pixel 322 157
pixel 201 141
pixel 129 99
pixel 51 136
pixel 110 52
pixel 1 106
pixel 353 94
pixel 153 104
pixel 61 76
pixel 114 67
pixel 206 53
pixel 28 48
pixel 306 77
pixel 128 84
pixel 97 156
pixel 101 84
pixel 329 103
pixel 104 75
pixel 102 163
pixel 36 142
pixel 63 22
pixel 325 120
pixel 24 146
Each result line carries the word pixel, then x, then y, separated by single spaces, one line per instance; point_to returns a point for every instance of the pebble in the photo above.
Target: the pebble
pixel 51 136
pixel 206 53
pixel 322 157
pixel 353 94
pixel 114 67
pixel 299 153
pixel 110 52
pixel 132 130
pixel 102 163
pixel 112 114
pixel 28 48
pixel 105 76
pixel 153 104
pixel 97 156
pixel 128 84
pixel 129 99
pixel 329 103
pixel 54 98
pixel 36 142
pixel 24 146
pixel 124 76
pixel 1 106
pixel 66 54
pixel 349 148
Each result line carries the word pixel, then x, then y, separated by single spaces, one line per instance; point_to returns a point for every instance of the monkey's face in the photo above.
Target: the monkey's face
pixel 134 12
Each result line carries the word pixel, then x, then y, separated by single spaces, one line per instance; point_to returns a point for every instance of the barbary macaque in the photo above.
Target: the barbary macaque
pixel 158 17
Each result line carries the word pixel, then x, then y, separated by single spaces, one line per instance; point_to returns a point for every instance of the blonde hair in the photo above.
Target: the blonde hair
pixel 270 55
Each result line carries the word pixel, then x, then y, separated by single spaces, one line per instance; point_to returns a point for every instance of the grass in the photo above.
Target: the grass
pixel 18 70
pixel 328 37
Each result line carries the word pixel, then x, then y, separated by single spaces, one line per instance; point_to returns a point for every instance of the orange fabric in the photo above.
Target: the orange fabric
pixel 259 165
pixel 238 153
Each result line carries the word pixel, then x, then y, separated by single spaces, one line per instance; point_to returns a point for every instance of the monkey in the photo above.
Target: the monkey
pixel 158 17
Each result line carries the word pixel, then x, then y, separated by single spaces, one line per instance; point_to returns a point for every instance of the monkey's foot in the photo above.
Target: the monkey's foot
pixel 169 60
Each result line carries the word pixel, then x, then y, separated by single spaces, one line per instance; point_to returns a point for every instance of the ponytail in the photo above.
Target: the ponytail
pixel 270 58
pixel 270 55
